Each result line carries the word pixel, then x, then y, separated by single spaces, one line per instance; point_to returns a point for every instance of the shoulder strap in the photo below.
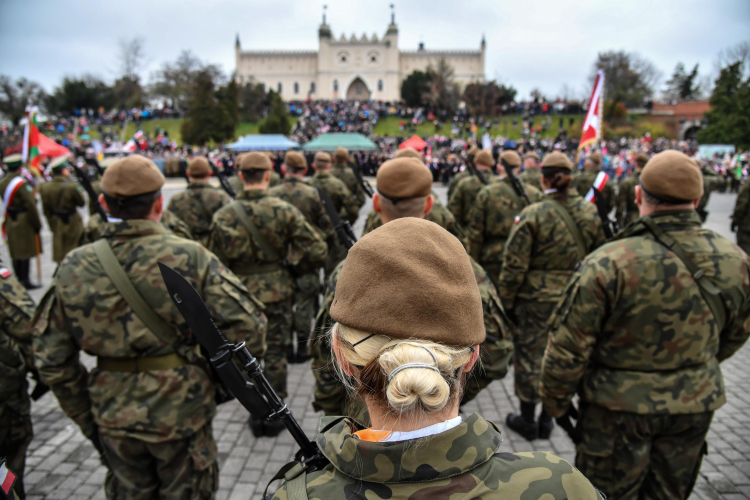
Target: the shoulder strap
pixel 513 195
pixel 117 275
pixel 572 227
pixel 258 237
pixel 295 475
pixel 710 293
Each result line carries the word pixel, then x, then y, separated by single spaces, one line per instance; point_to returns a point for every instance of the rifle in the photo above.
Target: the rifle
pixel 222 180
pixel 255 394
pixel 475 171
pixel 358 174
pixel 86 183
pixel 515 182
pixel 95 163
pixel 609 226
pixel 343 228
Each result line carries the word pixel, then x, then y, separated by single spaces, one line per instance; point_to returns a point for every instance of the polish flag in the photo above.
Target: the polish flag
pixel 592 126
pixel 599 183
pixel 7 478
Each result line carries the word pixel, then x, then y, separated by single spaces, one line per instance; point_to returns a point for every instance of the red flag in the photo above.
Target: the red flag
pixel 592 127
pixel 30 153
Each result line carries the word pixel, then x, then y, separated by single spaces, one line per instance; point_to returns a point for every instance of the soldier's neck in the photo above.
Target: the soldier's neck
pixel 383 420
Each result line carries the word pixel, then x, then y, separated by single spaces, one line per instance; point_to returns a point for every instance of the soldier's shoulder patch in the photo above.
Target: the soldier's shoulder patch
pixel 5 272
pixel 517 219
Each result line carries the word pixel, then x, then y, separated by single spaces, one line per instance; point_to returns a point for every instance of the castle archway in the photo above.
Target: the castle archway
pixel 358 90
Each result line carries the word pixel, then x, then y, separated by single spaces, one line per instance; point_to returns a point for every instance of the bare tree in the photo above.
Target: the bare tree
pixel 628 78
pixel 15 96
pixel 132 56
pixel 443 91
pixel 175 81
pixel 736 53
pixel 566 93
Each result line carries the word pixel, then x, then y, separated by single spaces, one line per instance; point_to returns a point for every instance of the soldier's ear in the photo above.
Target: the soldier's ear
pixel 283 169
pixel 376 203
pixel 472 360
pixel 639 196
pixel 103 202
pixel 428 204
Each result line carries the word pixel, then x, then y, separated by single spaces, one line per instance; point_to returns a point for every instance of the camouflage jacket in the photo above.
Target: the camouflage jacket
pixel 23 223
pixel 711 182
pixel 634 333
pixel 465 195
pixel 343 199
pixel 237 183
pixel 741 214
pixel 196 207
pixel 533 177
pixel 463 462
pixel 491 218
pixel 98 191
pixel 95 225
pixel 456 180
pixel 307 200
pixel 626 210
pixel 541 252
pixel 296 242
pixel 439 215
pixel 62 193
pixel 585 179
pixel 345 174
pixel 83 310
pixel 16 308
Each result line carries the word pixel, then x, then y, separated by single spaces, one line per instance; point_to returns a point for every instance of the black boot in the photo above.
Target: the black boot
pixel 290 356
pixel 524 423
pixel 23 274
pixel 256 426
pixel 273 428
pixel 546 424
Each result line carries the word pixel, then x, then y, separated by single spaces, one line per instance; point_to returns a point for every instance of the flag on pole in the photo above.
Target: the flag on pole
pixel 30 153
pixel 599 183
pixel 132 144
pixel 7 478
pixel 592 127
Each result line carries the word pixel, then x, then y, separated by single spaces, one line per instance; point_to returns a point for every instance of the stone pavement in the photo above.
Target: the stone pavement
pixel 62 464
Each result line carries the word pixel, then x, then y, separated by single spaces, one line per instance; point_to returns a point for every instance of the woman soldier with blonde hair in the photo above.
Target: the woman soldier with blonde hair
pixel 408 325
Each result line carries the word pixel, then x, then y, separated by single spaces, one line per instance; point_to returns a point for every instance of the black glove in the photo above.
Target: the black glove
pixel 565 423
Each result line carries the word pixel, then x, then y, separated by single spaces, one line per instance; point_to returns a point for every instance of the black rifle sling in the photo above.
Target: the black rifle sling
pixel 572 227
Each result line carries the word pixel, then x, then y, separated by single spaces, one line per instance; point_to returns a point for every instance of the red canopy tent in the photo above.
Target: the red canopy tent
pixel 414 142
pixel 51 149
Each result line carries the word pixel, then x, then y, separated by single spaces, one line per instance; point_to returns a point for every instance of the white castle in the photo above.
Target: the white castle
pixel 350 68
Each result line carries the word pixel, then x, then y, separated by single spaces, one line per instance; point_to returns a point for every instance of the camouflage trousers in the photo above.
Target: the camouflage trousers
pixel 494 365
pixel 632 456
pixel 183 469
pixel 15 435
pixel 743 239
pixel 278 338
pixel 529 343
pixel 305 302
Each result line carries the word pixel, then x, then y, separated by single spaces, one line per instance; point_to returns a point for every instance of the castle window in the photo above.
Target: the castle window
pixel 296 87
pixel 335 85
pixel 359 88
pixel 312 87
pixel 279 87
pixel 380 85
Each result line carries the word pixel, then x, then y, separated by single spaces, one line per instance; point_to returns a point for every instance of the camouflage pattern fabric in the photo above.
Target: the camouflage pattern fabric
pixel 532 177
pixel 95 225
pixel 626 211
pixel 711 182
pixel 541 252
pixel 16 308
pixel 634 333
pixel 456 180
pixel 529 343
pixel 306 296
pixel 64 194
pixel 631 456
pixel 22 227
pixel 180 469
pixel 237 183
pixel 585 179
pixel 741 217
pixel 83 310
pixel 439 215
pixel 345 174
pixel 97 190
pixel 490 220
pixel 465 195
pixel 278 339
pixel 196 207
pixel 465 462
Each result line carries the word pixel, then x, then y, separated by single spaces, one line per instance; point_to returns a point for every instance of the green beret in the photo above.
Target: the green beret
pixel 13 161
pixel 58 163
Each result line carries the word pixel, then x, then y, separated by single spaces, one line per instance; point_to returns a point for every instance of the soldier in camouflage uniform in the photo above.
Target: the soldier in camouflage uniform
pixel 147 406
pixel 16 308
pixel 263 239
pixel 95 225
pixel 741 218
pixel 711 182
pixel 548 240
pixel 466 191
pixel 465 173
pixel 60 198
pixel 342 171
pixel 641 340
pixel 197 204
pixel 531 174
pixel 236 182
pixel 491 217
pixel 408 352
pixel 295 191
pixel 343 201
pixel 585 180
pixel 627 211
pixel 21 222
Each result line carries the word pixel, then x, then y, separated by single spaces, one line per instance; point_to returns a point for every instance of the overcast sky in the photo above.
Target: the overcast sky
pixel 530 43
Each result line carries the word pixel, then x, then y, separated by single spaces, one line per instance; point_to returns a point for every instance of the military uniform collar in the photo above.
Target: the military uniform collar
pixel 441 456
pixel 292 180
pixel 59 178
pixel 200 185
pixel 668 220
pixel 252 194
pixel 323 175
pixel 133 227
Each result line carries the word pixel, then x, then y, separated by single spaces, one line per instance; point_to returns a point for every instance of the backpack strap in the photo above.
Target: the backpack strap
pixel 572 227
pixel 295 475
pixel 265 247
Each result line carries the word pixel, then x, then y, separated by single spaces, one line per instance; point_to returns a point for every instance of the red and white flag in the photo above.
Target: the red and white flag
pixel 592 126
pixel 7 478
pixel 599 183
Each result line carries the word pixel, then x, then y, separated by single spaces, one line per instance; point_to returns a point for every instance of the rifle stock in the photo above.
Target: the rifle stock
pixel 361 180
pixel 609 226
pixel 223 180
pixel 515 182
pixel 343 229
pixel 86 183
pixel 475 171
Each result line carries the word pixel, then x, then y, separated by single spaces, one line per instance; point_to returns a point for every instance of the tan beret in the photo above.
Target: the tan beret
pixel 672 176
pixel 473 151
pixel 641 159
pixel 531 154
pixel 322 157
pixel 270 155
pixel 595 158
pixel 255 161
pixel 59 162
pixel 410 278
pixel 341 155
pixel 484 158
pixel 131 176
pixel 511 158
pixel 198 167
pixel 557 159
pixel 295 160
pixel 404 178
pixel 408 153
